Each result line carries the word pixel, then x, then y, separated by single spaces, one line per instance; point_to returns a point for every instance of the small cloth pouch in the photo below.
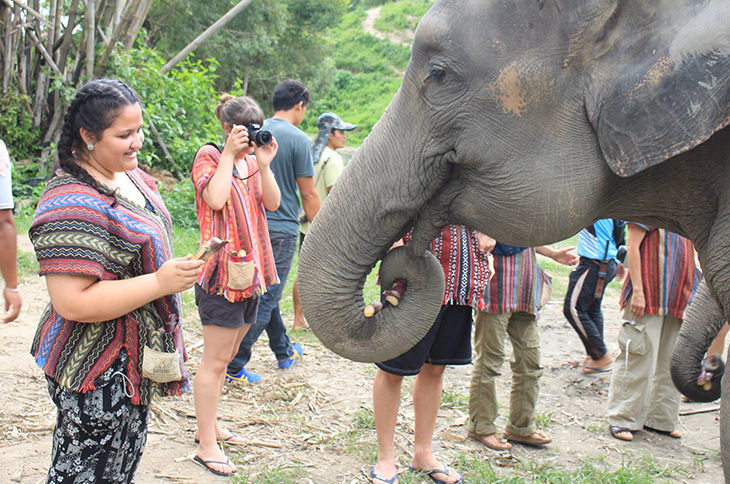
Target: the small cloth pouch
pixel 160 366
pixel 241 272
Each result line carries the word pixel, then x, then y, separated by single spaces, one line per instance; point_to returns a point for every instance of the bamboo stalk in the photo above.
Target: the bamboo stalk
pixel 39 45
pixel 90 17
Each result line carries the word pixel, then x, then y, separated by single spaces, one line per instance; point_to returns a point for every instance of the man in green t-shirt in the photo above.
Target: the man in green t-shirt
pixel 331 136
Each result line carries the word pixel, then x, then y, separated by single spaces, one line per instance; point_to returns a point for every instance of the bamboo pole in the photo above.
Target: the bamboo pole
pixel 8 41
pixel 38 16
pixel 90 28
pixel 219 24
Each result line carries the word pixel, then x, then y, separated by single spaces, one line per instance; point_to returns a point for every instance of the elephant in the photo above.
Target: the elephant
pixel 528 121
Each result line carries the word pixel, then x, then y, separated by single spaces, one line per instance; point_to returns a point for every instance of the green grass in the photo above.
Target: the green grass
pixel 269 475
pixel 453 399
pixel 634 470
pixel 364 419
pixel 544 419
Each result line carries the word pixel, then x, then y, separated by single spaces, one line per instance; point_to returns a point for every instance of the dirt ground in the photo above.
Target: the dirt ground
pixel 315 418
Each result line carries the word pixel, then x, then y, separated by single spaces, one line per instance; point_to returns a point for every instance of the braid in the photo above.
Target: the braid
pixel 94 108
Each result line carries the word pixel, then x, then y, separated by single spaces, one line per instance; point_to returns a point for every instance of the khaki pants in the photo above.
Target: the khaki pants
pixel 489 334
pixel 642 392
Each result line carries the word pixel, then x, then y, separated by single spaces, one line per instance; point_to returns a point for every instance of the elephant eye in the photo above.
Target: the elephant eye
pixel 436 73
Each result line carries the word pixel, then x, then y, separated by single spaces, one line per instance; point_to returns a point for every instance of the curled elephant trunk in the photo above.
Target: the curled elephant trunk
pixel 331 293
pixel 702 323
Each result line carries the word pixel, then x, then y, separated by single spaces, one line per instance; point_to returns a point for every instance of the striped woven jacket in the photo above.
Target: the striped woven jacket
pixel 518 284
pixel 76 231
pixel 669 274
pixel 242 220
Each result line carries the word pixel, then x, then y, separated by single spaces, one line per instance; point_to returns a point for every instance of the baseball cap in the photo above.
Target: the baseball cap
pixel 332 121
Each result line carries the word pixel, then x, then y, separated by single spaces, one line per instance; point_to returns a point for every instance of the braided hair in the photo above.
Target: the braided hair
pixel 94 107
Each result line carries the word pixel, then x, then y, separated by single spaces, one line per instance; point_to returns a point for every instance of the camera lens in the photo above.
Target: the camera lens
pixel 263 138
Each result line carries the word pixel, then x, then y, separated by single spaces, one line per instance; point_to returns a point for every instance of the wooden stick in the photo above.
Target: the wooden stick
pixel 714 408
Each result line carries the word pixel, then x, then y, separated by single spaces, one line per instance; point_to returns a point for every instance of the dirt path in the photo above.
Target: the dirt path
pixel 315 419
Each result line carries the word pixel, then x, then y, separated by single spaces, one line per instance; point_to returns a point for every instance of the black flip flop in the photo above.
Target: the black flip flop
pixel 205 463
pixel 664 432
pixel 614 431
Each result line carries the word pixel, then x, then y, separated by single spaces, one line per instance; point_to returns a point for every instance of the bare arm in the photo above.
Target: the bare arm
pixel 9 264
pixel 562 255
pixel 633 255
pixel 264 157
pixel 88 300
pixel 310 199
pixel 486 243
pixel 218 190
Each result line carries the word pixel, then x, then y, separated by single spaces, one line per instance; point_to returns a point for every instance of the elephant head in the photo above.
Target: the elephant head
pixel 526 120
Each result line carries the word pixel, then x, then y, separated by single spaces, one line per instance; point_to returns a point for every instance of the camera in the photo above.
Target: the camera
pixel 257 135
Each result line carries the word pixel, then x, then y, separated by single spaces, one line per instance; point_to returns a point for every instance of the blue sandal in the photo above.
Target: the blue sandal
pixel 377 477
pixel 445 472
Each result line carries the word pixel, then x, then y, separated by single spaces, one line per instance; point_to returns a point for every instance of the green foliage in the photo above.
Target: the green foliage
pixel 16 126
pixel 453 399
pixel 593 471
pixel 180 202
pixel 400 16
pixel 181 104
pixel 268 475
pixel 364 419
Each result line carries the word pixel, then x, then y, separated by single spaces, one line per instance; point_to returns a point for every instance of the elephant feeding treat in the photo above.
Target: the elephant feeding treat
pixel 209 248
pixel 392 296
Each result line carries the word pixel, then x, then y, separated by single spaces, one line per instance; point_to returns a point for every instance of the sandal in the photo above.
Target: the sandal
pixel 503 444
pixel 537 439
pixel 675 434
pixel 614 431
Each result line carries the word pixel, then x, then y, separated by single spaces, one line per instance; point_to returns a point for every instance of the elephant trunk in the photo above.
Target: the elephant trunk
pixel 702 323
pixel 371 206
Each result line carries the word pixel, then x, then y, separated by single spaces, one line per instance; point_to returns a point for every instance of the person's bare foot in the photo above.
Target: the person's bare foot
pixel 223 435
pixel 215 460
pixel 431 466
pixel 384 474
pixel 493 441
pixel 299 323
pixel 601 365
pixel 537 439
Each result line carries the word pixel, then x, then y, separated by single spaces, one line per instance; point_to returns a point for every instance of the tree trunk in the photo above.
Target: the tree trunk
pixel 8 43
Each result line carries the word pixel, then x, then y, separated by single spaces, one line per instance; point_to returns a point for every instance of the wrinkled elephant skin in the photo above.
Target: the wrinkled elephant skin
pixel 528 121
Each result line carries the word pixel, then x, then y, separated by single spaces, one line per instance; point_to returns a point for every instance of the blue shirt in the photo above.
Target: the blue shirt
pixel 293 160
pixel 592 241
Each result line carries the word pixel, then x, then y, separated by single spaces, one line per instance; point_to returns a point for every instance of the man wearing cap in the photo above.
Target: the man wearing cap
pixel 331 136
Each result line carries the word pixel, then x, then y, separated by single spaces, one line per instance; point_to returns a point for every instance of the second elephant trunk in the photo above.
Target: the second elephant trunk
pixel 701 325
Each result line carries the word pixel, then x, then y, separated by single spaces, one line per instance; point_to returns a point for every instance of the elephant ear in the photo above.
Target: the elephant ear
pixel 660 80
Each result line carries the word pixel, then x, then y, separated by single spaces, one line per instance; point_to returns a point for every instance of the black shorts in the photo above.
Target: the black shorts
pixel 448 342
pixel 219 311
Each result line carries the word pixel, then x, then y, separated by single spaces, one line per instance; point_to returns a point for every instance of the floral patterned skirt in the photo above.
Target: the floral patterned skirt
pixel 100 436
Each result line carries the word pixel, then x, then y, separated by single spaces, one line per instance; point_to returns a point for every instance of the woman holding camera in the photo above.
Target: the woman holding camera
pixel 232 189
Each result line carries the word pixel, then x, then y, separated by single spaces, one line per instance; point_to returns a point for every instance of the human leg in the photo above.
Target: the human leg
pixel 386 401
pixel 300 322
pixel 489 333
pixel 665 399
pixel 220 344
pixel 580 310
pixel 282 246
pixel 426 404
pixel 526 372
pixel 100 431
pixel 628 395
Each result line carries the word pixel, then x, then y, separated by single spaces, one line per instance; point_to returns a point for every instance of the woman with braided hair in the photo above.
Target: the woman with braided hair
pixel 110 337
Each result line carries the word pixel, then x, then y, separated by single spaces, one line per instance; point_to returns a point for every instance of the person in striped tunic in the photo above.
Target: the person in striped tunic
pixel 103 239
pixel 663 278
pixel 513 299
pixel 462 253
pixel 233 188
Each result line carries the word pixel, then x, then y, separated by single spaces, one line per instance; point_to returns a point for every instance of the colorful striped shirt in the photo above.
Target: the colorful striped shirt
pixel 76 231
pixel 242 220
pixel 669 274
pixel 518 285
pixel 465 265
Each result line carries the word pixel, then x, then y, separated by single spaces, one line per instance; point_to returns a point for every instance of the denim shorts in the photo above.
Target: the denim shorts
pixel 219 311
pixel 448 342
